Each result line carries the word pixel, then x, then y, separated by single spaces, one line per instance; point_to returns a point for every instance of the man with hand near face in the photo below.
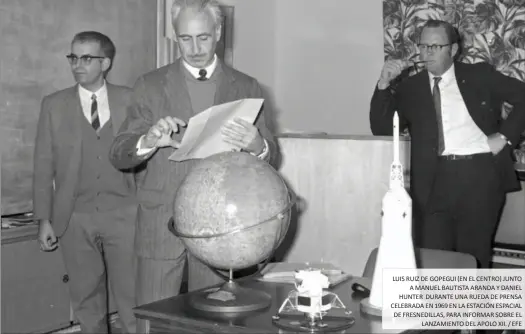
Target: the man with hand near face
pixel 165 100
pixel 79 198
pixel 461 164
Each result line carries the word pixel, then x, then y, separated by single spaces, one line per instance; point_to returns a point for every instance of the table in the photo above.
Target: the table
pixel 174 315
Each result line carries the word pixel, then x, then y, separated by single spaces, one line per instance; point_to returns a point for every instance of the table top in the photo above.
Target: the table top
pixel 177 311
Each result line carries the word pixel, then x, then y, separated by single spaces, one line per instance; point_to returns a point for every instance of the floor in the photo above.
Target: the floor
pixel 115 328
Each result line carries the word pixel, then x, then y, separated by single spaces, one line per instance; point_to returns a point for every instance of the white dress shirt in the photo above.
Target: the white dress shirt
pixel 102 103
pixel 462 135
pixel 195 71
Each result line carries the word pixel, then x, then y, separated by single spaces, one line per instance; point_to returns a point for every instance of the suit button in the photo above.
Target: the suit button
pixel 99 157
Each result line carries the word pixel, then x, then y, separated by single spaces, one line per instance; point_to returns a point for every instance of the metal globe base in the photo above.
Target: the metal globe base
pixel 230 297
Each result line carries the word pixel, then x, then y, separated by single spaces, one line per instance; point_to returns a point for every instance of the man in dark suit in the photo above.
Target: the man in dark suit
pixel 461 163
pixel 79 197
pixel 165 100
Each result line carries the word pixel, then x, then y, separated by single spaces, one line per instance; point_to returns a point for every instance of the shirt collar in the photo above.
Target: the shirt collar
pixel 86 94
pixel 195 71
pixel 446 77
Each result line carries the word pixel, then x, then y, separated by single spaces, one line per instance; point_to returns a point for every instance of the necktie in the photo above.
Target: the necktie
pixel 437 105
pixel 95 122
pixel 202 75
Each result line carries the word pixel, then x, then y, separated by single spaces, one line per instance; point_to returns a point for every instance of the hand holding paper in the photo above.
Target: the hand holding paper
pixel 159 135
pixel 214 130
pixel 243 135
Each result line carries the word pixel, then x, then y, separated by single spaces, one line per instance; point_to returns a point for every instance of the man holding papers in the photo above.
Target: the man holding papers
pixel 165 100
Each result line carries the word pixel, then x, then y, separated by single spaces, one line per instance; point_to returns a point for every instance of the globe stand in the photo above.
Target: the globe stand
pixel 230 297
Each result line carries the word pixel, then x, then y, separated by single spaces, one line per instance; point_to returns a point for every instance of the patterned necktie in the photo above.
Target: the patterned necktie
pixel 202 75
pixel 437 105
pixel 95 122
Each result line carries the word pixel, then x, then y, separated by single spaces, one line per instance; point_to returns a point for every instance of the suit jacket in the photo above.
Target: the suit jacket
pixel 158 94
pixel 57 157
pixel 483 89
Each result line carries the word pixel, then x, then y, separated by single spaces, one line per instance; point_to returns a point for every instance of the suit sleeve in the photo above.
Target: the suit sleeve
pixel 262 124
pixel 382 108
pixel 512 91
pixel 123 151
pixel 43 170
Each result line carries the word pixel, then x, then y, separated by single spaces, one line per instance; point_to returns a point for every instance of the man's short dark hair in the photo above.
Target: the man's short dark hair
pixel 452 34
pixel 106 45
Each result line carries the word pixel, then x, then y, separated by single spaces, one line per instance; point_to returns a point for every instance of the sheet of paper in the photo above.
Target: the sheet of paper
pixel 203 133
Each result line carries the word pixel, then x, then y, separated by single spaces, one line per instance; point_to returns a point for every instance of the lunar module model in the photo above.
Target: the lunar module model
pixel 311 308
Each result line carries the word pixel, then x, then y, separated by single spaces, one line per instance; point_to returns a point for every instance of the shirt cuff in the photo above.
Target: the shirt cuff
pixel 266 150
pixel 502 136
pixel 143 151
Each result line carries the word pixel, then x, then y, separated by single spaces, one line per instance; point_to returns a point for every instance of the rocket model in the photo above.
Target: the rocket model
pixel 396 249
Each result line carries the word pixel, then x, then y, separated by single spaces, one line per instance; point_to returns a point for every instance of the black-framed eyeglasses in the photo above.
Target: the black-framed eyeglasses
pixel 84 59
pixel 432 47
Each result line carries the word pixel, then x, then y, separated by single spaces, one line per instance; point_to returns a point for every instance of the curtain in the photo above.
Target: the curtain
pixel 491 31
pixel 167 50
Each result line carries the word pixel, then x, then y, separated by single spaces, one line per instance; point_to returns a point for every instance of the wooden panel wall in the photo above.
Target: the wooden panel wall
pixel 36 36
pixel 341 181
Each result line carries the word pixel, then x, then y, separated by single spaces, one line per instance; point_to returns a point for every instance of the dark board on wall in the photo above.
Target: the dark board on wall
pixel 35 37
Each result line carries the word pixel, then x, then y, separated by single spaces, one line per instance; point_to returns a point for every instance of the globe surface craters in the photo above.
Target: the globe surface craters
pixel 224 203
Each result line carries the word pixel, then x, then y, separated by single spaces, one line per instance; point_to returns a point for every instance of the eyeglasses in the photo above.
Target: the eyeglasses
pixel 432 47
pixel 84 59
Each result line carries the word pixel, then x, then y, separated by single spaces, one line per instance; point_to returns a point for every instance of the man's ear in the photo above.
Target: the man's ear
pixel 454 50
pixel 106 64
pixel 174 35
pixel 218 32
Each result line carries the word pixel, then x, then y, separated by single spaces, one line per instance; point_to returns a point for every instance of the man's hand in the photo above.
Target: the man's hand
pixel 46 236
pixel 243 135
pixel 159 135
pixel 391 69
pixel 496 143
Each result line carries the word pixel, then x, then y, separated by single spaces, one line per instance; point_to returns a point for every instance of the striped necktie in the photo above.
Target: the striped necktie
pixel 95 122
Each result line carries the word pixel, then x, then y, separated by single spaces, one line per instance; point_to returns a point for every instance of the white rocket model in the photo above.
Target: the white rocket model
pixel 396 249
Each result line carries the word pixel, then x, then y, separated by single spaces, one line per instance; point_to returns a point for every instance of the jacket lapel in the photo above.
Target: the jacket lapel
pixel 72 118
pixel 423 83
pixel 117 115
pixel 463 85
pixel 426 110
pixel 176 91
pixel 470 97
pixel 227 88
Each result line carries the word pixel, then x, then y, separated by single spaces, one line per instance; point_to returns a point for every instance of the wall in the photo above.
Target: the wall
pixel 36 36
pixel 254 44
pixel 330 55
pixel 318 60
